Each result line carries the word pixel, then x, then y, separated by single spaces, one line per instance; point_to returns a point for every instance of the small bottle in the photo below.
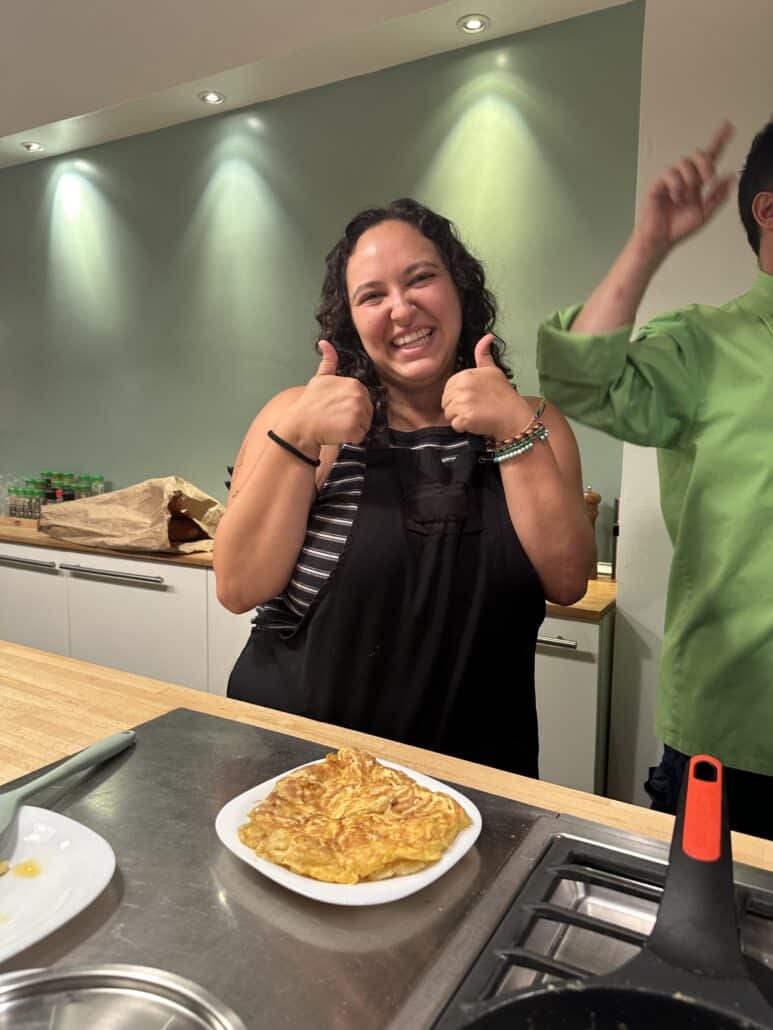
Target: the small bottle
pixel 12 505
pixel 97 485
pixel 592 501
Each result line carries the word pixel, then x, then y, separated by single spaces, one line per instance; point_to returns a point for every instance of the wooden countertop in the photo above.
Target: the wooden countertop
pixel 31 536
pixel 600 597
pixel 53 706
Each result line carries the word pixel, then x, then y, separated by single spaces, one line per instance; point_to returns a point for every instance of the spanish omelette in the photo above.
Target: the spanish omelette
pixel 349 818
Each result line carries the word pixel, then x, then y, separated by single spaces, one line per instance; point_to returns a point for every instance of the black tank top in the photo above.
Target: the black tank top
pixel 424 630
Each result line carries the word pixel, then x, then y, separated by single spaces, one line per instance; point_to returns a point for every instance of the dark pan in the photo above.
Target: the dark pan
pixel 691 973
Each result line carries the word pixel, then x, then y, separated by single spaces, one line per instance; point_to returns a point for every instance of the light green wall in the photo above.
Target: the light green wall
pixel 156 291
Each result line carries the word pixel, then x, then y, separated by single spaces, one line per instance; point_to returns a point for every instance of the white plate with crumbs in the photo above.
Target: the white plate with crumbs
pixel 56 868
pixel 234 814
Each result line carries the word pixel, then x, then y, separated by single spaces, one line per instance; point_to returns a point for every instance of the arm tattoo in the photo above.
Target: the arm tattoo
pixel 240 457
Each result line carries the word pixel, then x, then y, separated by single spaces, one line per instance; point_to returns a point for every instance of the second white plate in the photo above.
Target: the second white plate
pixel 234 814
pixel 75 865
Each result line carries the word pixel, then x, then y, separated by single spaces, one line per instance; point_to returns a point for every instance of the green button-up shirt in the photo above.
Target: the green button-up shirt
pixel 698 384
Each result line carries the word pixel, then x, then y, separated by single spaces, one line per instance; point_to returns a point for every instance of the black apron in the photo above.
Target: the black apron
pixel 426 630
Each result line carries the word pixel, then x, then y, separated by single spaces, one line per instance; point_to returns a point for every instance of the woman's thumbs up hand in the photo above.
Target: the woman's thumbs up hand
pixel 332 409
pixel 481 400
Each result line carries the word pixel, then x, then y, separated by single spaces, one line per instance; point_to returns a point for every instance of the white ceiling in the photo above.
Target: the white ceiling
pixel 83 72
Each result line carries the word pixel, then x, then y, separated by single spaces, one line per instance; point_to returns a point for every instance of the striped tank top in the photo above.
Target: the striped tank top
pixel 330 522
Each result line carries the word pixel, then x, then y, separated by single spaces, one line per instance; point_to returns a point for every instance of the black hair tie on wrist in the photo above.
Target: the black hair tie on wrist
pixel 314 462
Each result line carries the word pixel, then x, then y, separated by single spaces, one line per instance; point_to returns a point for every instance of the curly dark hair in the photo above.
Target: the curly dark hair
pixel 756 177
pixel 479 307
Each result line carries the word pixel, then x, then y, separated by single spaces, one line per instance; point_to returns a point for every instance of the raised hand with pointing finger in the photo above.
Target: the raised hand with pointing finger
pixel 679 202
pixel 686 196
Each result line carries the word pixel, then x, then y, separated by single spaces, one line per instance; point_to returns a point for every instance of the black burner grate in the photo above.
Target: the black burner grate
pixel 584 911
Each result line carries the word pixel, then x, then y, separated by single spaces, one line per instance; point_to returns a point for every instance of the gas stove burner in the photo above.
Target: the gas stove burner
pixel 584 911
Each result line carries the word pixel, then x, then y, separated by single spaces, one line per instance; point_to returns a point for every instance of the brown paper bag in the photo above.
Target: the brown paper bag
pixel 166 514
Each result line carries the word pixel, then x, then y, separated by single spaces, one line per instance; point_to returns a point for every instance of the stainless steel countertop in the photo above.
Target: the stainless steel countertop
pixel 181 901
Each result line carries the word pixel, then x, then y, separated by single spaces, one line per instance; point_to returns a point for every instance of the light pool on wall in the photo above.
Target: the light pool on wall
pixel 490 138
pixel 87 253
pixel 225 257
pixel 491 163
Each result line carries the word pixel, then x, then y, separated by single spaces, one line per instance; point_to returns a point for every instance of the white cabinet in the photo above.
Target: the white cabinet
pixel 33 602
pixel 573 674
pixel 146 617
pixel 227 634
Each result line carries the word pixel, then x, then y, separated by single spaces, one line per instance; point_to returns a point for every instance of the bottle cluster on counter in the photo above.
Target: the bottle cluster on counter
pixel 25 502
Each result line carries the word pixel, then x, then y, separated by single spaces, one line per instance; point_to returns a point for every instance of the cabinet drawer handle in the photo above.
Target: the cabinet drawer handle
pixel 32 562
pixel 132 577
pixel 569 645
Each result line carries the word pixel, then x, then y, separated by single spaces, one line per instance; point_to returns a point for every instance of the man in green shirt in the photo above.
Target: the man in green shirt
pixel 697 384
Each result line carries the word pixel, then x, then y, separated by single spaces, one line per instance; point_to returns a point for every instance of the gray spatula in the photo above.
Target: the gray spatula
pixel 11 799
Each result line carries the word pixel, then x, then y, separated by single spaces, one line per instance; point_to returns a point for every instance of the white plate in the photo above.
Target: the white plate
pixel 76 865
pixel 234 814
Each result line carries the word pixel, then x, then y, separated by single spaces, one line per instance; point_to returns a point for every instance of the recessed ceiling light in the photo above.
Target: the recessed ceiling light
pixel 30 145
pixel 473 23
pixel 211 96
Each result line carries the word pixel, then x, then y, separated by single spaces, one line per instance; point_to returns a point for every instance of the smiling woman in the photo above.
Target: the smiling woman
pixel 438 263
pixel 400 520
pixel 409 320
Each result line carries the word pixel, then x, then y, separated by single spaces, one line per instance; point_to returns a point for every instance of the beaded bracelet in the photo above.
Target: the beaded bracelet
pixel 528 428
pixel 524 442
pixel 502 450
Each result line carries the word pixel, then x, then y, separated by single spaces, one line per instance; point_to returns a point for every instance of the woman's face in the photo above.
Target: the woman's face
pixel 404 305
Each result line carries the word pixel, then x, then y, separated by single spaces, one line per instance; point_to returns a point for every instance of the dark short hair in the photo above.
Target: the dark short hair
pixel 479 308
pixel 756 177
